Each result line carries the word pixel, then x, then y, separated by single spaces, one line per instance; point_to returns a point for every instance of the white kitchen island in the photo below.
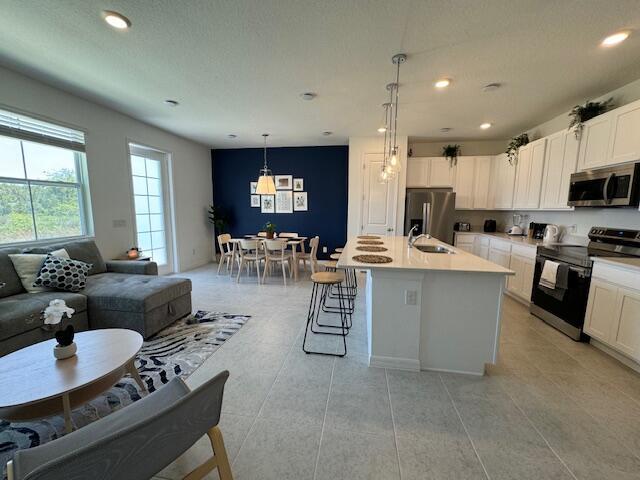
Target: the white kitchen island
pixel 430 311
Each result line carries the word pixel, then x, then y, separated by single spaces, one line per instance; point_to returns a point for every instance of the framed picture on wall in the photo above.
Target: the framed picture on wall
pixel 298 184
pixel 284 201
pixel 267 204
pixel 255 201
pixel 253 186
pixel 284 182
pixel 300 201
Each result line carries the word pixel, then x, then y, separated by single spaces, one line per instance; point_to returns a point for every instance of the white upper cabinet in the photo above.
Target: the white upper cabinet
pixel 503 184
pixel 529 175
pixel 560 162
pixel 624 140
pixel 594 142
pixel 417 172
pixel 464 182
pixel 482 182
pixel 441 173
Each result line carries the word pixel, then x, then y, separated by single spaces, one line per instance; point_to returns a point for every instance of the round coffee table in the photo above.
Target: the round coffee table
pixel 36 385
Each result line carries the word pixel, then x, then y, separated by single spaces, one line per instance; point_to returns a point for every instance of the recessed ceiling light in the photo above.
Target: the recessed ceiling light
pixel 308 96
pixel 327 133
pixel 172 103
pixel 446 129
pixel 485 125
pixel 615 39
pixel 442 83
pixel 232 135
pixel 491 87
pixel 382 129
pixel 116 20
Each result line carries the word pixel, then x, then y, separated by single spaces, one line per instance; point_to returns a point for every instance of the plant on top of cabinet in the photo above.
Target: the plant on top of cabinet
pixel 514 145
pixel 451 153
pixel 581 113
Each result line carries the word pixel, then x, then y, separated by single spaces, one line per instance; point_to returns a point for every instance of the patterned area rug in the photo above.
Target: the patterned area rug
pixel 176 351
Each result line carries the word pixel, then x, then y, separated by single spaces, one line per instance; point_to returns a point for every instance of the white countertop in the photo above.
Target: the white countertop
pixel 517 239
pixel 629 263
pixel 405 258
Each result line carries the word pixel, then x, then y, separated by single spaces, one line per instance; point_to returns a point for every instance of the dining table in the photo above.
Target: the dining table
pixel 293 242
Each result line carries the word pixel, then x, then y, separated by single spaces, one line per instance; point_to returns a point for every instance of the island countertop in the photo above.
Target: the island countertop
pixel 405 258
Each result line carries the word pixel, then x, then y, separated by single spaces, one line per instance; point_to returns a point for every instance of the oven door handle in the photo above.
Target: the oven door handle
pixel 605 190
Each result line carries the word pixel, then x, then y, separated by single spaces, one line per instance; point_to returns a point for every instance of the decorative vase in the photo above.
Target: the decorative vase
pixel 65 352
pixel 270 235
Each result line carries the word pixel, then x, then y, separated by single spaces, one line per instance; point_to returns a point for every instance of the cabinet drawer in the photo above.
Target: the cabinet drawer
pixel 501 245
pixel 482 240
pixel 619 275
pixel 524 251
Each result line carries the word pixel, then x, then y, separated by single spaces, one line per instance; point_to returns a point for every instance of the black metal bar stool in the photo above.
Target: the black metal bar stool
pixel 351 277
pixel 330 293
pixel 322 282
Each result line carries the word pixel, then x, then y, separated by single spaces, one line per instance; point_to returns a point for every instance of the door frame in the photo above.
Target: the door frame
pixel 364 199
pixel 172 265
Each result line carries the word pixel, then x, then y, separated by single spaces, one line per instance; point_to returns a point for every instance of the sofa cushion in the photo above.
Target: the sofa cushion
pixel 63 274
pixel 28 265
pixel 23 312
pixel 8 274
pixel 133 293
pixel 84 250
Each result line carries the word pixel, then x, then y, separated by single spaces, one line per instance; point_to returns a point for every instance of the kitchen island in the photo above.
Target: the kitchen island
pixel 430 311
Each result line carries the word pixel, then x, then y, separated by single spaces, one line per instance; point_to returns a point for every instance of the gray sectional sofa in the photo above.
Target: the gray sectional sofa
pixel 118 294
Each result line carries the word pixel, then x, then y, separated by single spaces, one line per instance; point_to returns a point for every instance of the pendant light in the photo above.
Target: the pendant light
pixel 266 185
pixel 391 162
pixel 385 174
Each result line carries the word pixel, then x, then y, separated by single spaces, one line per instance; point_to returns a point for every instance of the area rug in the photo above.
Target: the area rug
pixel 176 351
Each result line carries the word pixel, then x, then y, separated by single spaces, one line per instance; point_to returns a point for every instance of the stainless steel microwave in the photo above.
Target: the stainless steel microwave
pixel 617 186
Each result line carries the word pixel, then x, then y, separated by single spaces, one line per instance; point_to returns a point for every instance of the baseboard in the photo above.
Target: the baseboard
pixel 632 364
pixel 462 372
pixel 517 298
pixel 394 363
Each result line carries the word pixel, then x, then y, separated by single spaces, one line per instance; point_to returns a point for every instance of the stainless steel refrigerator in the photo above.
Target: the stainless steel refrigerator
pixel 433 210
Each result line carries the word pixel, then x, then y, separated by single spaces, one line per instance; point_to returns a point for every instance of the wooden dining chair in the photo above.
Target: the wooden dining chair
pixel 250 254
pixel 275 252
pixel 226 250
pixel 311 257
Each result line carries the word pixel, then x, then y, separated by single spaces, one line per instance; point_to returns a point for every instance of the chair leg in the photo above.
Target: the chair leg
pixel 220 262
pixel 284 273
pixel 219 460
pixel 239 270
pixel 266 267
pixel 10 470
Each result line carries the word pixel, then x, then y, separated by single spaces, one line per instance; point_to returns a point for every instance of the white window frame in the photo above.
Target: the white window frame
pixel 82 177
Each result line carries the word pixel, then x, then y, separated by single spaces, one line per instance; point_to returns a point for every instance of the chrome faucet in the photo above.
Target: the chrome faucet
pixel 413 239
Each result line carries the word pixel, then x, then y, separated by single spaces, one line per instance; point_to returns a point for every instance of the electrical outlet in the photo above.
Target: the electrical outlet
pixel 324 249
pixel 410 297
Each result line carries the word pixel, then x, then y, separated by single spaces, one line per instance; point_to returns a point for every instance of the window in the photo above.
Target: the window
pixel 151 207
pixel 43 188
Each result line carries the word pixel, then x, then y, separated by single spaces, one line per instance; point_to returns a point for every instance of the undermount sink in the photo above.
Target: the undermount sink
pixel 433 249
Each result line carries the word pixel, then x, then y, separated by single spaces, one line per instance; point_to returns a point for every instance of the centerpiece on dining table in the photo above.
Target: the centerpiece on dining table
pixel 270 229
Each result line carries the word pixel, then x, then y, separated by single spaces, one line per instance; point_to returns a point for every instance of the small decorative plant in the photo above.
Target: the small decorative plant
pixel 451 153
pixel 514 145
pixel 53 316
pixel 270 228
pixel 581 113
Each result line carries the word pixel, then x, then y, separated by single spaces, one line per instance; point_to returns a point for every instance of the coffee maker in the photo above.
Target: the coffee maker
pixel 536 230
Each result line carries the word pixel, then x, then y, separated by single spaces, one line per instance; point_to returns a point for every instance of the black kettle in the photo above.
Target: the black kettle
pixel 490 225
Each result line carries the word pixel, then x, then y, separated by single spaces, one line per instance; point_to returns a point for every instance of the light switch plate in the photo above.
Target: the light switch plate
pixel 410 297
pixel 119 223
pixel 324 249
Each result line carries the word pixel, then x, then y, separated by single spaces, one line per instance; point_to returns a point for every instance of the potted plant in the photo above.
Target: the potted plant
pixel 219 218
pixel 514 145
pixel 581 113
pixel 451 153
pixel 53 314
pixel 270 228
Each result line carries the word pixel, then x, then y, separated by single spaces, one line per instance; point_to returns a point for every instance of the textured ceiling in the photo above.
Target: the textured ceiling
pixel 239 66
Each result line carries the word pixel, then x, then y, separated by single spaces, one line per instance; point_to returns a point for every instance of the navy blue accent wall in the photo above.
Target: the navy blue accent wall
pixel 325 174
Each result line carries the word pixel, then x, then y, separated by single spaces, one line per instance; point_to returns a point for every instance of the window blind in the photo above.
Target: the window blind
pixel 146 152
pixel 34 130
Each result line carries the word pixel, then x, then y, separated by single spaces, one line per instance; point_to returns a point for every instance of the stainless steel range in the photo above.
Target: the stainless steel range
pixel 564 308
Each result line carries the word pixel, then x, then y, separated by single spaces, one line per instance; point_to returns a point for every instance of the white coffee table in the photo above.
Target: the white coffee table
pixel 33 384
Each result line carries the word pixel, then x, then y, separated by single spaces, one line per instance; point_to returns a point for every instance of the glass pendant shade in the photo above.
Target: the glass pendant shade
pixel 394 160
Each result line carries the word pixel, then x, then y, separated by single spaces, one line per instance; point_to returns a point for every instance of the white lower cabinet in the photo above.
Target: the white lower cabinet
pixel 523 261
pixel 465 242
pixel 481 246
pixel 613 311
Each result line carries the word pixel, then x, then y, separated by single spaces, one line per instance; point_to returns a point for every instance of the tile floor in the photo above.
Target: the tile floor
pixel 550 409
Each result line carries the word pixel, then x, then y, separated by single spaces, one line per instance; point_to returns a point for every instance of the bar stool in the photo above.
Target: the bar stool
pixel 352 279
pixel 332 266
pixel 323 281
pixel 339 250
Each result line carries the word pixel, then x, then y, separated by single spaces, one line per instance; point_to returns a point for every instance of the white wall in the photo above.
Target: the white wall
pixel 421 148
pixel 107 135
pixel 358 147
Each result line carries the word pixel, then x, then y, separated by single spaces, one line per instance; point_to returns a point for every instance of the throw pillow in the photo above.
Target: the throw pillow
pixel 28 265
pixel 63 274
